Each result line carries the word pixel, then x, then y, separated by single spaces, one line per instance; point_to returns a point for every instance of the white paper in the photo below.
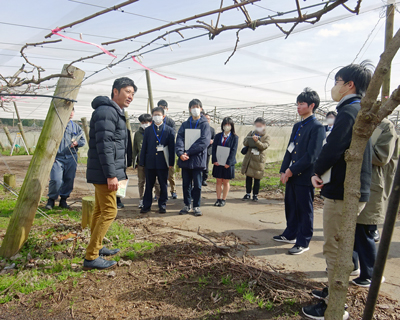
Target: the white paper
pixel 166 155
pixel 326 177
pixel 122 187
pixel 290 147
pixel 191 136
pixel 222 155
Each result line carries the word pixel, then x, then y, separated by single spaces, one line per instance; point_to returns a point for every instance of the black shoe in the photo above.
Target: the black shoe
pixel 174 195
pixel 320 294
pixel 107 252
pixel 204 183
pixel 120 205
pixel 50 204
pixel 365 283
pixel 318 311
pixel 63 203
pixel 246 197
pixel 217 203
pixel 375 234
pixel 222 203
pixel 255 197
pixel 163 209
pixel 144 210
pixel 283 239
pixel 98 263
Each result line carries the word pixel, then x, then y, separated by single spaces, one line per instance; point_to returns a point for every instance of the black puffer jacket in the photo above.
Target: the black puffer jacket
pixel 108 142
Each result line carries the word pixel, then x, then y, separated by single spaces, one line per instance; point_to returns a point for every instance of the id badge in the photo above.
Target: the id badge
pixel 255 151
pixel 160 148
pixel 291 147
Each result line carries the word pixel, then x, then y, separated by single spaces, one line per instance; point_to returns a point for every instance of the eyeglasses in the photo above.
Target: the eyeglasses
pixel 337 81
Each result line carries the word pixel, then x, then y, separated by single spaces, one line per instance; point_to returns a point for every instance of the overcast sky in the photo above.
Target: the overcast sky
pixel 266 69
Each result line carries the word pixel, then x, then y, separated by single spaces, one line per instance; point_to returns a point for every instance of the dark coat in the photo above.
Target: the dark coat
pixel 308 145
pixel 232 143
pixel 210 147
pixel 332 154
pixel 198 151
pixel 137 146
pixel 171 123
pixel 108 142
pixel 149 156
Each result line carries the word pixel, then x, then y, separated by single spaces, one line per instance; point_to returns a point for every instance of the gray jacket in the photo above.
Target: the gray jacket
pixel 73 132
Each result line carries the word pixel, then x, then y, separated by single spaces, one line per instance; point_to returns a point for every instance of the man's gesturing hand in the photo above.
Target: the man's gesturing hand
pixel 112 184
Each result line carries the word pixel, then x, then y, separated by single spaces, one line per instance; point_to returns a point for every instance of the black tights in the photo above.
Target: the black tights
pixel 249 183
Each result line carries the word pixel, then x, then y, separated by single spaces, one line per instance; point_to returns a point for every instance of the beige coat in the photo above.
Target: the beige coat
pixel 385 155
pixel 254 165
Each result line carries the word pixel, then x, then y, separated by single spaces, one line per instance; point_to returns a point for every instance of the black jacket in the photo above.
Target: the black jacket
pixel 149 156
pixel 332 154
pixel 308 145
pixel 231 143
pixel 169 122
pixel 210 147
pixel 108 142
pixel 198 151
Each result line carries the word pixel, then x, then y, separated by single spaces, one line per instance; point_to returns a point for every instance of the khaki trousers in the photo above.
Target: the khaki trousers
pixel 171 179
pixel 142 182
pixel 331 223
pixel 105 211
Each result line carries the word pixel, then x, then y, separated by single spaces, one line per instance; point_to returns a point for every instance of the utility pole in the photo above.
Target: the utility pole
pixel 390 9
pixel 149 91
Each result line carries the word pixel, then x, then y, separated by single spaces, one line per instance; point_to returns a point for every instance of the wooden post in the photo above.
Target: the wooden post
pixel 148 105
pixel 149 90
pixel 1 145
pixel 8 136
pixel 87 211
pixel 16 111
pixel 38 172
pixel 215 113
pixel 390 9
pixel 85 128
pixel 128 125
pixel 21 129
pixel 9 180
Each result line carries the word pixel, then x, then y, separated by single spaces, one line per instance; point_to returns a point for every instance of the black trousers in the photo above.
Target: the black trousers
pixel 299 212
pixel 151 175
pixel 365 249
pixel 249 185
pixel 205 172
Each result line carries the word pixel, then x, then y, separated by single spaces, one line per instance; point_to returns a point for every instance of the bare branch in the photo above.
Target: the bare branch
pixel 299 9
pixel 86 58
pixel 235 48
pixel 389 105
pixel 113 8
pixel 219 13
pixel 356 10
pixel 181 21
pixel 244 11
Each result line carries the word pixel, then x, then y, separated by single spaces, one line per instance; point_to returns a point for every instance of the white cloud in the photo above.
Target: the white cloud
pixel 337 28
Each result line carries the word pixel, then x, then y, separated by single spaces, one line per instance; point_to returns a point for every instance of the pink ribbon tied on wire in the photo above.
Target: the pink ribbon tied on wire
pixel 56 32
pixel 134 59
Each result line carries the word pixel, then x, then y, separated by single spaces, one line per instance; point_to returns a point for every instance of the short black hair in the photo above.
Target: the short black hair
pixel 195 102
pixel 309 96
pixel 228 120
pixel 161 109
pixel 331 113
pixel 162 103
pixel 145 117
pixel 260 120
pixel 360 74
pixel 122 83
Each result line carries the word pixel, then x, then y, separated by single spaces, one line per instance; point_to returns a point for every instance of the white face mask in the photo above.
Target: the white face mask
pixel 330 121
pixel 259 129
pixel 157 119
pixel 144 125
pixel 227 128
pixel 195 112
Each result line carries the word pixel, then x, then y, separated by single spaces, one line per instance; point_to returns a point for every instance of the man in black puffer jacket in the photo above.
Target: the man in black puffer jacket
pixel 106 166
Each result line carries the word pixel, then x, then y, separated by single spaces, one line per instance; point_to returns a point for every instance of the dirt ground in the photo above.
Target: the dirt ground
pixel 129 294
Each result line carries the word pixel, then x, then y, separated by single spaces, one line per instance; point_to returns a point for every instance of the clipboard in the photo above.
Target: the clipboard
pixel 326 177
pixel 251 142
pixel 191 136
pixel 166 155
pixel 222 155
pixel 122 187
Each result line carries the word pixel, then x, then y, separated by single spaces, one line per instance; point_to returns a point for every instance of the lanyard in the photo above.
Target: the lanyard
pixel 355 101
pixel 197 122
pixel 300 127
pixel 222 139
pixel 154 129
pixel 72 124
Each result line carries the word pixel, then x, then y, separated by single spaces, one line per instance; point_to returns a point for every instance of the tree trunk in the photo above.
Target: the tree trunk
pixel 369 117
pixel 87 211
pixel 39 169
pixel 85 128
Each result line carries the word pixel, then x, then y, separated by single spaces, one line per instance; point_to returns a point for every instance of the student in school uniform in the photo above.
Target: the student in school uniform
pixel 296 171
pixel 223 173
pixel 351 83
pixel 330 121
pixel 192 159
pixel 158 138
pixel 145 121
pixel 209 150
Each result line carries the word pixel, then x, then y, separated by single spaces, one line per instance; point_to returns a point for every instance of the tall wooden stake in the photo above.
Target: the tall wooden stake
pixel 85 128
pixel 37 176
pixel 16 111
pixel 388 37
pixel 8 136
pixel 21 129
pixel 128 125
pixel 149 90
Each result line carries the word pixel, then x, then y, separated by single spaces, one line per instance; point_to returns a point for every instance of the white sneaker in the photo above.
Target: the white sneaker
pixel 141 204
pixel 355 273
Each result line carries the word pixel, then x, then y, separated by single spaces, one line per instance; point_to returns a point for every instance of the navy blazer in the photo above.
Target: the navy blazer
pixel 232 143
pixel 308 145
pixel 149 156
